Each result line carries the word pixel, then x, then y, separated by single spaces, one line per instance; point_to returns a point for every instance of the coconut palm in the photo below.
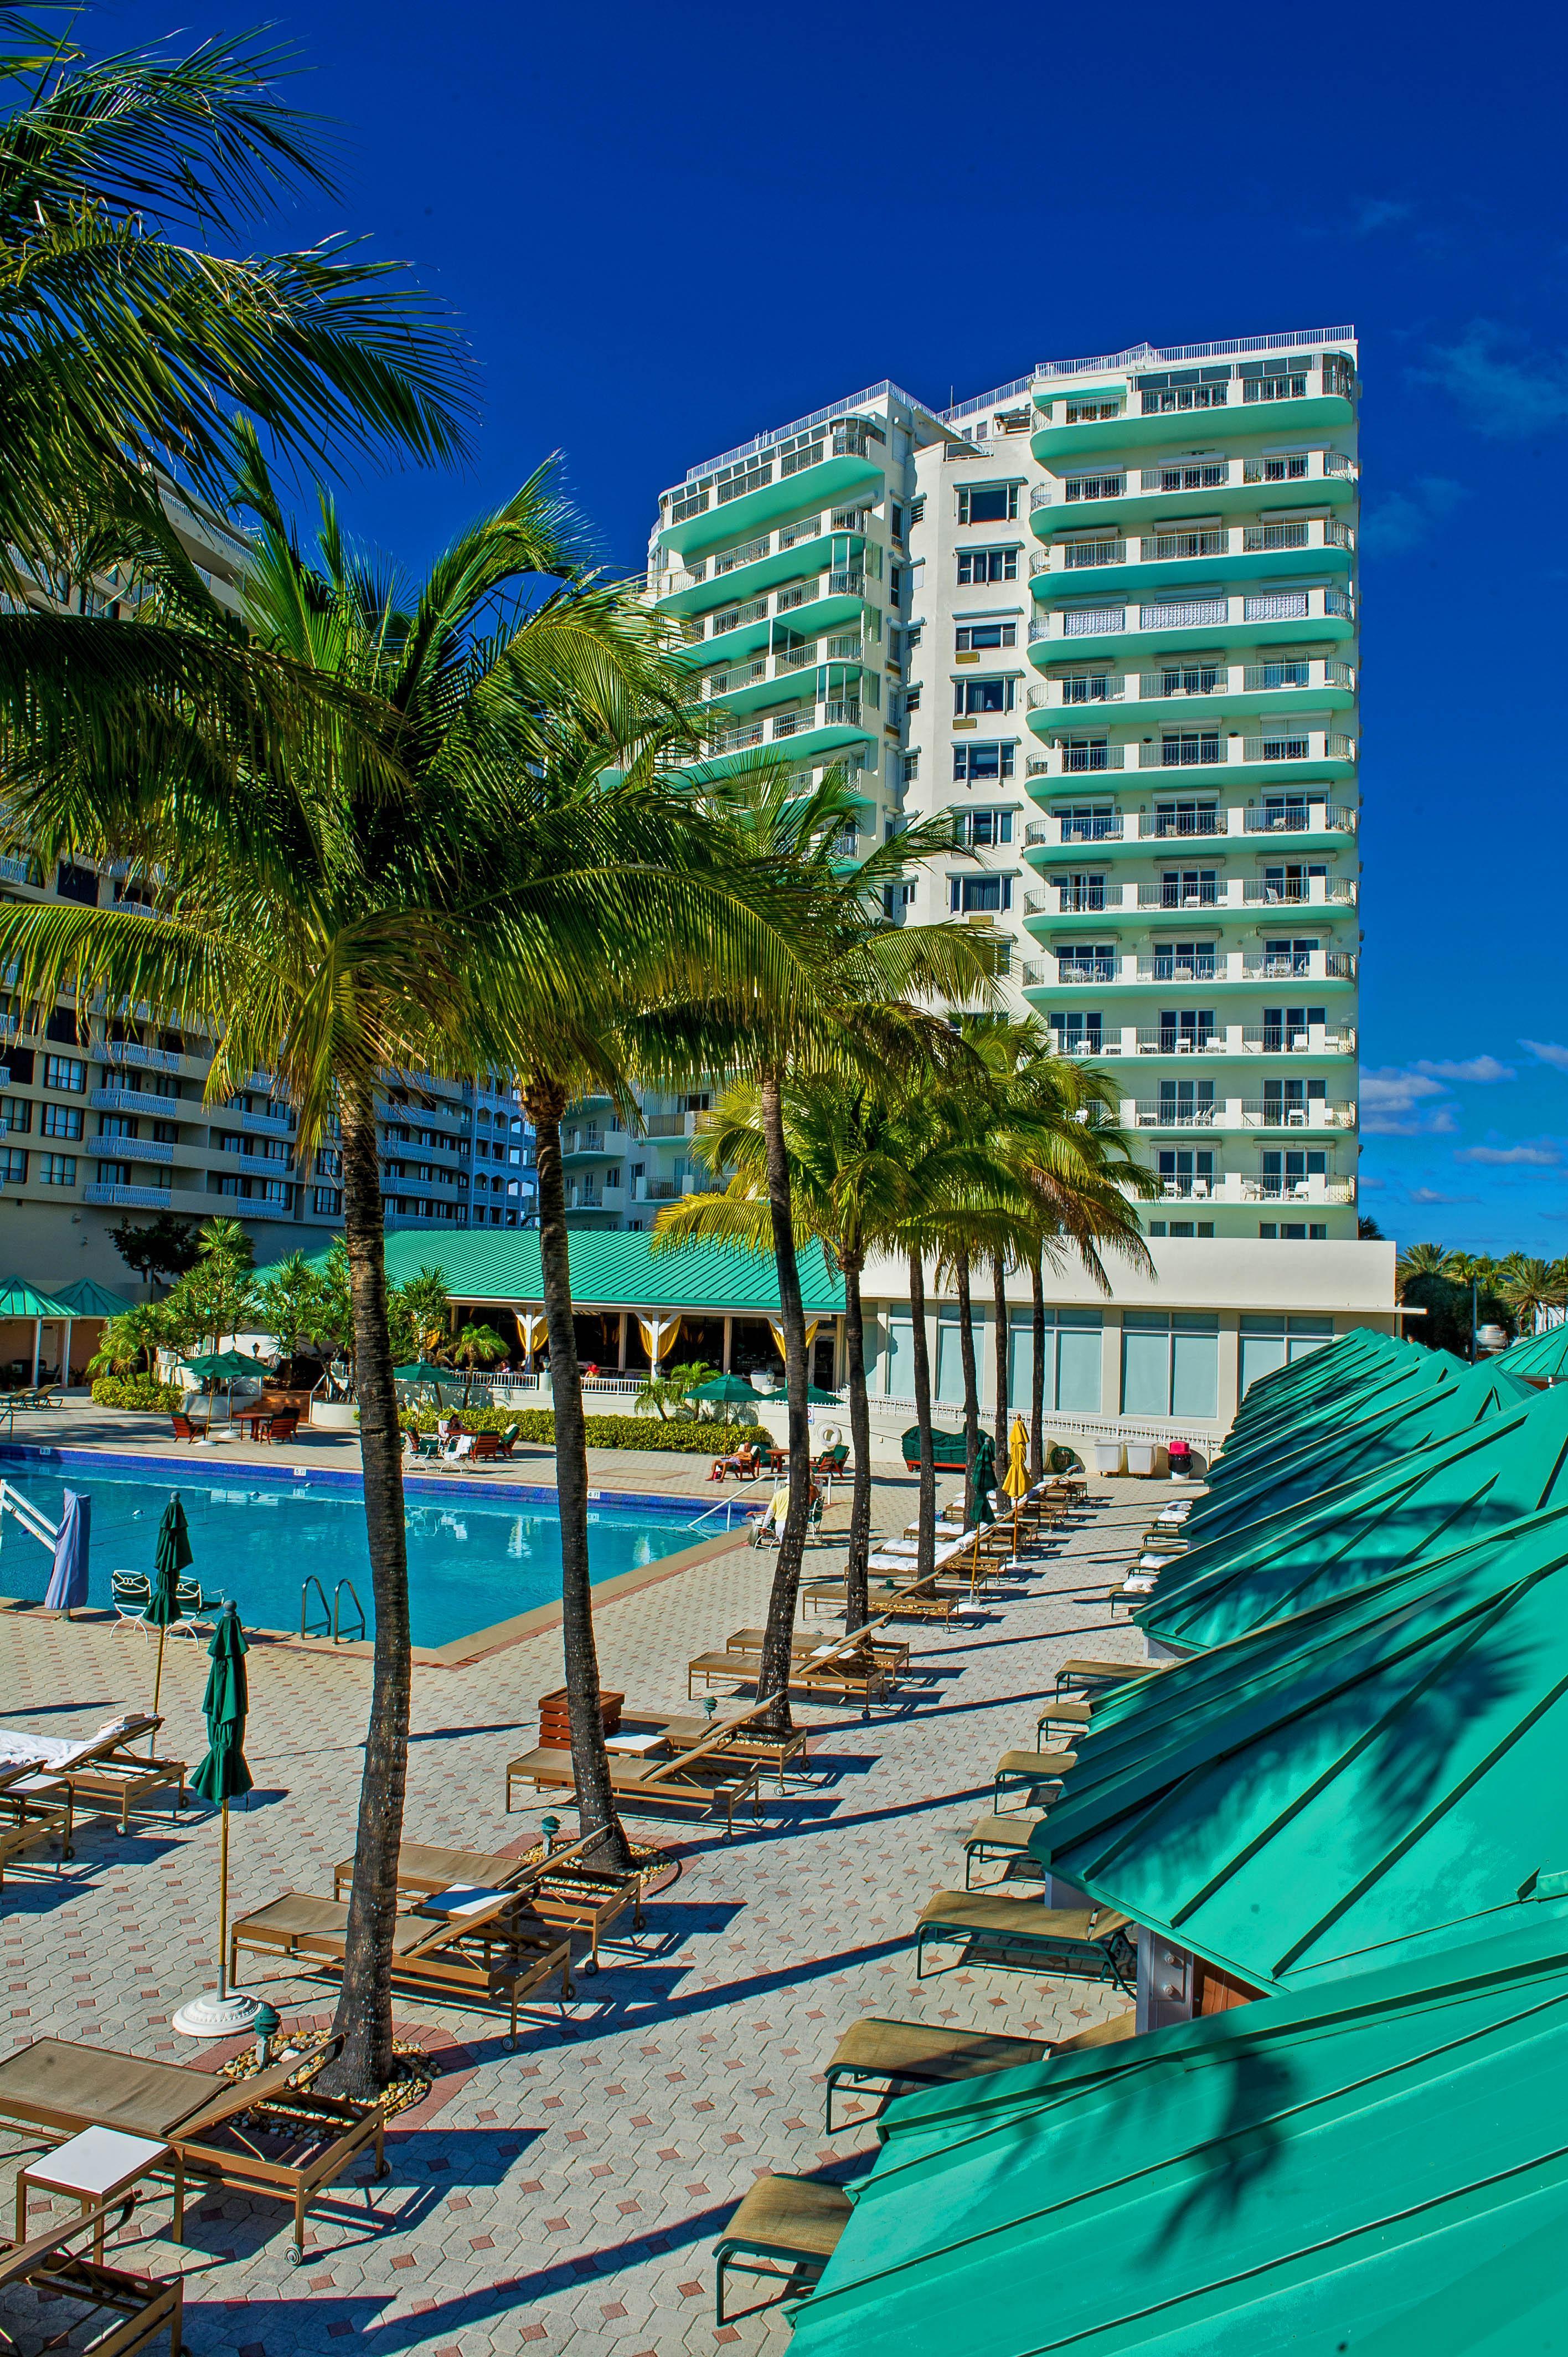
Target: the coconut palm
pixel 474 1347
pixel 1425 1260
pixel 124 348
pixel 381 889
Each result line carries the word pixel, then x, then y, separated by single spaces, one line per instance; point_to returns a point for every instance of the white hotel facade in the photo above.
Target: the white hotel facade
pixel 1107 618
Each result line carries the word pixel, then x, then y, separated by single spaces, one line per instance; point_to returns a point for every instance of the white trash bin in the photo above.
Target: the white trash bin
pixel 1143 1455
pixel 1108 1456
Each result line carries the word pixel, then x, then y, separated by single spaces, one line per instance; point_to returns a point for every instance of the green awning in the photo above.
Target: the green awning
pixel 611 1269
pixel 86 1299
pixel 1420 1374
pixel 1543 1356
pixel 1331 1454
pixel 20 1299
pixel 1384 1768
pixel 1426 1502
pixel 1333 1370
pixel 1377 2166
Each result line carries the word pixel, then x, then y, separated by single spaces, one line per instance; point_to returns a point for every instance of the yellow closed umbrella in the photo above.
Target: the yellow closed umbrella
pixel 1015 1480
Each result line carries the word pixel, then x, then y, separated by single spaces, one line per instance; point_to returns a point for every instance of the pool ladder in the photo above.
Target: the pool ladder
pixel 331 1622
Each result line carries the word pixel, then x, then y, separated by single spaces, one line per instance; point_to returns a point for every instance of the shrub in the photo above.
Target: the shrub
pixel 538 1424
pixel 138 1391
pixel 474 1419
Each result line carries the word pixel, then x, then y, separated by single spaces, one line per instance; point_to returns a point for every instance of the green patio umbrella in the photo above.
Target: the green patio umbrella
pixel 423 1370
pixel 726 1391
pixel 220 1777
pixel 223 1366
pixel 814 1398
pixel 172 1557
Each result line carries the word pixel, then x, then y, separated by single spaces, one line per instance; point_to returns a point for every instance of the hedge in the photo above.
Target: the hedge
pixel 138 1391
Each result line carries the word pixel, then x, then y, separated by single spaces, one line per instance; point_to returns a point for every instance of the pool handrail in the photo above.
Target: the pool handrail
pixel 337 1604
pixel 309 1582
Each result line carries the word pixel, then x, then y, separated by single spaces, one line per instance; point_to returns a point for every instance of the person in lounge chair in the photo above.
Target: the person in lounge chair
pixel 743 1463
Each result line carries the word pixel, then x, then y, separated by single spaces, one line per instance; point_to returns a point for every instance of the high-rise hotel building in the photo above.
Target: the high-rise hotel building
pixel 1107 617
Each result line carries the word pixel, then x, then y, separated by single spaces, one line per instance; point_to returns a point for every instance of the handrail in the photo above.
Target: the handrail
pixel 337 1600
pixel 309 1582
pixel 32 1518
pixel 723 1506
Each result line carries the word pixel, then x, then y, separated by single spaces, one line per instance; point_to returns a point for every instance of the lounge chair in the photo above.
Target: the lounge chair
pixel 564 1890
pixel 38 1817
pixel 486 1447
pixel 507 1442
pixel 1026 1772
pixel 702 1781
pixel 832 1460
pixel 486 1946
pixel 1090 1677
pixel 148 2304
pixel 899 2054
pixel 1022 1935
pixel 741 1741
pixel 282 1426
pixel 182 1427
pixel 786 2230
pixel 99 1768
pixel 1006 1839
pixel 1073 1719
pixel 842 1671
pixel 258 2135
pixel 891 1651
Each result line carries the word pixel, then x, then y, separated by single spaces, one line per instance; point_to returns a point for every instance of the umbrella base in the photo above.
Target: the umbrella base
pixel 210 2015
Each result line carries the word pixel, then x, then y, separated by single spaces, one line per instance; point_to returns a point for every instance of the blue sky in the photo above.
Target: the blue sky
pixel 665 228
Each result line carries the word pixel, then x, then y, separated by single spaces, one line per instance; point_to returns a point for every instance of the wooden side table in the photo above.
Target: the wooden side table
pixel 95 2167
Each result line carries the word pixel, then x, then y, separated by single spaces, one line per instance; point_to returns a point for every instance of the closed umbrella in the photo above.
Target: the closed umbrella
pixel 68 1581
pixel 163 1604
pixel 1015 1480
pixel 981 1481
pixel 220 1777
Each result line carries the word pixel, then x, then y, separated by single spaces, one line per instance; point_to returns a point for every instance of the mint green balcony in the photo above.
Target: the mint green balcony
pixel 829 601
pixel 823 669
pixel 817 732
pixel 743 569
pixel 1175 694
pixel 1122 631
pixel 1079 903
pixel 1314 400
pixel 714 522
pixel 1329 971
pixel 1117 497
pixel 1202 755
pixel 1151 563
pixel 1087 824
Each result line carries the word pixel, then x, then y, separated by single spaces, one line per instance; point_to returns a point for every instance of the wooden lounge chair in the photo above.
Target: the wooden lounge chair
pixel 258 2135
pixel 1021 1935
pixel 1006 1839
pixel 149 2304
pixel 703 1781
pixel 1072 1719
pixel 282 1426
pixel 182 1427
pixel 486 1947
pixel 38 1818
pixel 741 1742
pixel 102 1768
pixel 507 1441
pixel 846 1671
pixel 1090 1677
pixel 899 2054
pixel 891 1651
pixel 786 2230
pixel 486 1450
pixel 564 1890
pixel 1026 1772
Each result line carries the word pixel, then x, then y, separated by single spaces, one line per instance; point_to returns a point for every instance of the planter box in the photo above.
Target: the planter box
pixel 555 1727
pixel 334 1415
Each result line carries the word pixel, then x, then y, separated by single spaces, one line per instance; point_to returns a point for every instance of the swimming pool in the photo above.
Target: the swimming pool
pixel 257 1535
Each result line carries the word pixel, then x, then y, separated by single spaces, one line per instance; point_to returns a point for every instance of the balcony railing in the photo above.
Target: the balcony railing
pixel 747 553
pixel 734 617
pixel 1309 892
pixel 131 1198
pixel 1180 680
pixel 1310 1112
pixel 1296 1039
pixel 1194 544
pixel 737 739
pixel 1301 818
pixel 1206 967
pixel 118 1100
pixel 1072 972
pixel 850 583
pixel 804 528
pixel 1173 896
pixel 1172 1040
pixel 1149 1113
pixel 131 1051
pixel 1313 1190
pixel 1079 760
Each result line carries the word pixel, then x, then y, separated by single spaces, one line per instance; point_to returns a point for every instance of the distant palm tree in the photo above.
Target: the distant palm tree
pixel 1529 1286
pixel 1425 1260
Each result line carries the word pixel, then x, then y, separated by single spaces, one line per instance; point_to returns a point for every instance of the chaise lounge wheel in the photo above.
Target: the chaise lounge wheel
pixel 591 1966
pixel 295 2255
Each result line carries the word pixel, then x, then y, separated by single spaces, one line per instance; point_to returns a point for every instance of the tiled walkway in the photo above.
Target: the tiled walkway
pixel 568 2194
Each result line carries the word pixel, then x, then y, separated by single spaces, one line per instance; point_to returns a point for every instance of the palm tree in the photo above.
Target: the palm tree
pixel 1425 1260
pixel 375 888
pixel 848 961
pixel 124 350
pixel 1528 1286
pixel 474 1347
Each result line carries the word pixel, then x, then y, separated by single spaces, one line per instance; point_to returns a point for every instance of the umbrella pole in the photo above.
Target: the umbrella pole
pixel 158 1673
pixel 224 1905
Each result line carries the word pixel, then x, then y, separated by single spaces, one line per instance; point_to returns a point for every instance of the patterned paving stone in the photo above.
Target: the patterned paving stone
pixel 568 2195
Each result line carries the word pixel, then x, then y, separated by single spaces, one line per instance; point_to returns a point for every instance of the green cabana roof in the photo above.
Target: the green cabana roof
pixel 20 1299
pixel 1381 1770
pixel 86 1299
pixel 1377 2166
pixel 1420 1374
pixel 1333 1454
pixel 1333 1369
pixel 1426 1502
pixel 1543 1356
pixel 611 1269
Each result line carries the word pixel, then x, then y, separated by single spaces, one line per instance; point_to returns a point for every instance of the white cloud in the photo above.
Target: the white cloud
pixel 1475 1068
pixel 1431 1195
pixel 1405 518
pixel 1548 1051
pixel 1542 1157
pixel 1393 1102
pixel 1506 391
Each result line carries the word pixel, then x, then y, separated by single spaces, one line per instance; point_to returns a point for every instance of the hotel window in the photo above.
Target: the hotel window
pixel 981 763
pixel 972 636
pixel 60 1121
pixel 65 1072
pixel 113 1174
pixel 978 830
pixel 1181 1227
pixel 1274 1340
pixel 979 893
pixel 326 1201
pixel 1294 1231
pixel 17 1115
pixel 57 1169
pixel 972 695
pixel 1170 1363
pixel 12 1166
pixel 1072 1362
pixel 979 567
pixel 988 503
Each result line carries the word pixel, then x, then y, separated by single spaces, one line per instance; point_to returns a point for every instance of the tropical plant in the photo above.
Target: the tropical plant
pixel 1425 1260
pixel 419 1318
pixel 163 1246
pixel 130 1343
pixel 474 1347
pixel 218 1296
pixel 292 1303
pixel 670 1392
pixel 127 349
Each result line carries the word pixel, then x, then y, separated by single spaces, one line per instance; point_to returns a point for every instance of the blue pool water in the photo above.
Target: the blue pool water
pixel 470 1562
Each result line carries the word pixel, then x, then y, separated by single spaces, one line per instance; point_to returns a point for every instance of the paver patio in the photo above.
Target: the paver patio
pixel 568 2194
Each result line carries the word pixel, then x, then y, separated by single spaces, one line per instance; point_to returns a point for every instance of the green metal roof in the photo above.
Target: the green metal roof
pixel 1541 1355
pixel 1375 2168
pixel 1294 1423
pixel 20 1299
pixel 1327 1449
pixel 86 1299
pixel 1380 1770
pixel 1332 1369
pixel 610 1270
pixel 1426 1502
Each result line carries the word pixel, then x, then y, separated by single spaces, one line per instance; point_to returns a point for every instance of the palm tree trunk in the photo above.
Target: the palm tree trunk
pixel 590 1760
pixel 856 1576
pixel 773 1674
pixel 971 1387
pixel 363 2018
pixel 926 1507
pixel 1038 1371
pixel 1000 1338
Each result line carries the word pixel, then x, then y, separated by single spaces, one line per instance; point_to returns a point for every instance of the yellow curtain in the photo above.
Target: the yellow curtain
pixel 658 1335
pixel 811 1326
pixel 532 1327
